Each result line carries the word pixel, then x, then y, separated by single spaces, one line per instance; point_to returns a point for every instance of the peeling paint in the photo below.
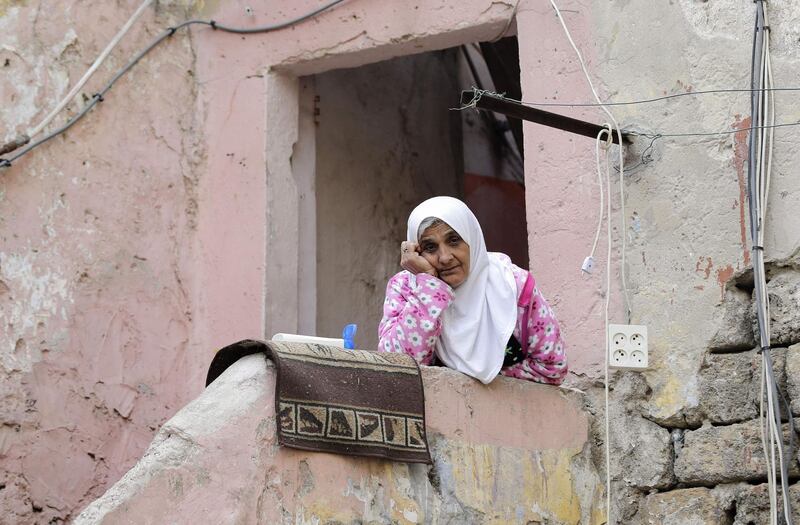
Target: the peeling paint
pixel 37 296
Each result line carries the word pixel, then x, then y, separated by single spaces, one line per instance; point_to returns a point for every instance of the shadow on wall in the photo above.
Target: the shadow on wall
pixel 499 206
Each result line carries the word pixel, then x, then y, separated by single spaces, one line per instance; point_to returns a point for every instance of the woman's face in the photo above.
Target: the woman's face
pixel 447 252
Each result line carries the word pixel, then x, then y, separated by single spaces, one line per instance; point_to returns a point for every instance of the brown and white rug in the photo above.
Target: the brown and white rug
pixel 353 402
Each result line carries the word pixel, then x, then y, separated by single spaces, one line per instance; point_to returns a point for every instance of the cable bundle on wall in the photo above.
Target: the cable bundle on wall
pixel 24 140
pixel 762 109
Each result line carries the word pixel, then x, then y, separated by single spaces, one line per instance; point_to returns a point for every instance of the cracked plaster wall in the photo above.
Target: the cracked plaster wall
pixel 134 245
pixel 97 241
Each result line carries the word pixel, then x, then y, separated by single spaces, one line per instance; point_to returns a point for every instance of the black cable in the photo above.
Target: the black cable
pixel 710 133
pixel 651 100
pixel 792 429
pixel 168 32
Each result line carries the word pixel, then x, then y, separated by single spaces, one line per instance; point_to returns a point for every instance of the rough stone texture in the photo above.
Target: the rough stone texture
pixel 783 289
pixel 793 377
pixel 712 455
pixel 641 451
pixel 730 384
pixel 626 503
pixel 693 506
pixel 736 325
pixel 752 505
pixel 217 461
pixel 727 387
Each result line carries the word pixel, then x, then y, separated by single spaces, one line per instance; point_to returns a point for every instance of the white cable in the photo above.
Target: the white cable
pixel 624 230
pixel 605 321
pixel 77 87
pixel 764 424
pixel 763 140
pixel 766 170
pixel 607 131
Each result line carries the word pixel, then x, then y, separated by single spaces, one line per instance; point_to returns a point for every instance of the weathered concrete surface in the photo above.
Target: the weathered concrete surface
pixel 642 451
pixel 685 220
pixel 510 452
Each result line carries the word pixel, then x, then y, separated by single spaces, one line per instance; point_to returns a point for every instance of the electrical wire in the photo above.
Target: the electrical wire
pixel 650 100
pixel 759 172
pixel 605 131
pixel 168 32
pixel 77 87
pixel 606 145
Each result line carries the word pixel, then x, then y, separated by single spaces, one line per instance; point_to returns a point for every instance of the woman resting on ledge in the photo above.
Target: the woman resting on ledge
pixel 466 307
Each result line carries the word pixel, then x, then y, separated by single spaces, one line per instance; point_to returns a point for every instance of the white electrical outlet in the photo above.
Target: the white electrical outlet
pixel 627 346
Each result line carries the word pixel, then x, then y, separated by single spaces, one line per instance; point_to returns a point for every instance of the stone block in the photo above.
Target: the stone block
pixel 726 392
pixel 712 455
pixel 641 453
pixel 793 377
pixel 695 506
pixel 784 307
pixel 752 505
pixel 736 329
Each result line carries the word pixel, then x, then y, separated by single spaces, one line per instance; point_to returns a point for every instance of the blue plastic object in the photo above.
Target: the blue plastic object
pixel 349 334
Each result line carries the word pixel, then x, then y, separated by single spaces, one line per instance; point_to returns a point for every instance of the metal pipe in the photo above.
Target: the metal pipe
pixel 512 108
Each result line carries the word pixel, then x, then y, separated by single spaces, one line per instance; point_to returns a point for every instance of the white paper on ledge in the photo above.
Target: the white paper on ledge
pixel 296 338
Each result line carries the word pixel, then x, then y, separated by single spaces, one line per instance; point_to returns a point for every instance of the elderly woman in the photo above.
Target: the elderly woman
pixel 474 311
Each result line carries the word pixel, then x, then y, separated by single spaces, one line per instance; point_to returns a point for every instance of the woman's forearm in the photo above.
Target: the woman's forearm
pixel 412 315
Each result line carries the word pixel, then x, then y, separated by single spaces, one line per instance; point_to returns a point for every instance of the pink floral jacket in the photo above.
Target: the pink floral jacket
pixel 412 323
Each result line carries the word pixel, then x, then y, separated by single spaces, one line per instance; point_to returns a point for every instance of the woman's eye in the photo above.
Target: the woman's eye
pixel 454 241
pixel 429 248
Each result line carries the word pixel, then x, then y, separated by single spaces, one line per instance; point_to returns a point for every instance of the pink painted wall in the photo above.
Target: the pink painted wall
pixel 137 243
pixel 561 183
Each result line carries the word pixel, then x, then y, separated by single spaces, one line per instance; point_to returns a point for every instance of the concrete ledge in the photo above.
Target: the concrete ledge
pixel 509 452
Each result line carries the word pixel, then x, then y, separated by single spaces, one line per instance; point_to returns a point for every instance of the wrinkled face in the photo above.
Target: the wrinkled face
pixel 447 252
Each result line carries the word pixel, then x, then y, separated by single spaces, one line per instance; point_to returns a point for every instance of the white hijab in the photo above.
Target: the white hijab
pixel 481 319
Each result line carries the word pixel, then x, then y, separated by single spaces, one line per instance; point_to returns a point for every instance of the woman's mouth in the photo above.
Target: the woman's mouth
pixel 450 270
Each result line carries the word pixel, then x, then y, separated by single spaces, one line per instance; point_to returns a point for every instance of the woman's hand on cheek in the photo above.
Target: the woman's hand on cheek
pixel 411 260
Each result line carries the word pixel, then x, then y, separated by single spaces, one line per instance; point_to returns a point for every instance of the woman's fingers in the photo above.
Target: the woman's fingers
pixel 412 261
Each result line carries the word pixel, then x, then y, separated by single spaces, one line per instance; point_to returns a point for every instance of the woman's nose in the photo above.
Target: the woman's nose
pixel 445 255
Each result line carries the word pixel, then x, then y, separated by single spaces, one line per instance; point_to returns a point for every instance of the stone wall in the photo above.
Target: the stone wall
pixel 708 467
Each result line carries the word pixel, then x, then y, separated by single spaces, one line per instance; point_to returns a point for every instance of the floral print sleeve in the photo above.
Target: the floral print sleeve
pixel 545 358
pixel 412 315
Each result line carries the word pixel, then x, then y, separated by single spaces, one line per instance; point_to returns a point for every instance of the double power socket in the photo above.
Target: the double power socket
pixel 627 346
